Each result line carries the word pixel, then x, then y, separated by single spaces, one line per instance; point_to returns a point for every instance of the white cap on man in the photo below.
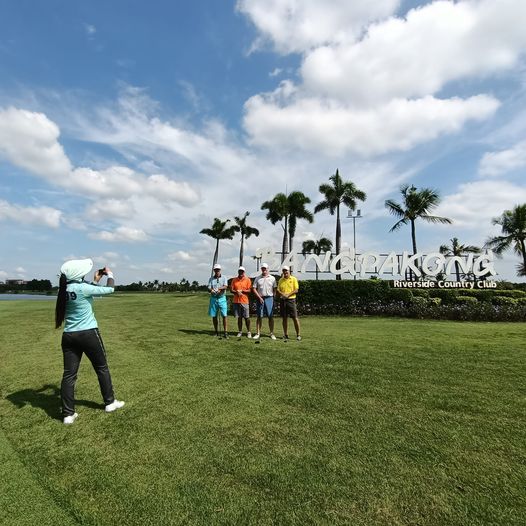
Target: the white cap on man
pixel 264 265
pixel 217 266
pixel 242 269
pixel 285 268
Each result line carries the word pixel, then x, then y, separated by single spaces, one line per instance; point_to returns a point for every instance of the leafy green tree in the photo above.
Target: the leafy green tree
pixel 457 250
pixel 246 231
pixel 316 247
pixel 513 227
pixel 339 192
pixel 416 204
pixel 219 231
pixel 288 209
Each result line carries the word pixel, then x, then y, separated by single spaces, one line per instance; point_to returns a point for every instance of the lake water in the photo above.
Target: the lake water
pixel 38 297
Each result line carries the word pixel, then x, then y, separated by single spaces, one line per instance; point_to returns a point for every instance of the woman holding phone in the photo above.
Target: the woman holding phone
pixel 81 334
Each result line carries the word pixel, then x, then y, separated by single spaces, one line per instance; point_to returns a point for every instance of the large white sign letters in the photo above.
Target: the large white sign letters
pixel 420 265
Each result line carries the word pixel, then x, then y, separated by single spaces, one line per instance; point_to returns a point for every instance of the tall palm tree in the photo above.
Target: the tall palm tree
pixel 246 231
pixel 416 204
pixel 338 193
pixel 219 231
pixel 288 209
pixel 513 227
pixel 457 250
pixel 297 210
pixel 316 247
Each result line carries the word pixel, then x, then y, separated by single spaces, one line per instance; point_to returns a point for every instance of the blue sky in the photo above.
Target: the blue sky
pixel 126 126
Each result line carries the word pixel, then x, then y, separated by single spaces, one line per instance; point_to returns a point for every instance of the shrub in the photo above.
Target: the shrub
pixel 447 296
pixel 465 299
pixel 503 300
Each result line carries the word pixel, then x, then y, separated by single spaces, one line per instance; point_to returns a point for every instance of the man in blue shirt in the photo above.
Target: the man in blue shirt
pixel 217 285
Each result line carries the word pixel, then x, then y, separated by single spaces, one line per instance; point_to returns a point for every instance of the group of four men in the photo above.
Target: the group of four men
pixel 265 289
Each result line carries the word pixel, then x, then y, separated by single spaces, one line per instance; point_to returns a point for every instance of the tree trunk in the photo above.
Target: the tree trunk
pixel 413 235
pixel 338 239
pixel 241 250
pixel 216 254
pixel 457 270
pixel 316 271
pixel 523 250
pixel 284 246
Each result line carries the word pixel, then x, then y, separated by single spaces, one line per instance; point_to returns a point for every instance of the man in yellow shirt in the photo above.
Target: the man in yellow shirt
pixel 288 287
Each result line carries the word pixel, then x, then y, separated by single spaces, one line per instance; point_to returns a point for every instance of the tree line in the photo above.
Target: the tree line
pixel 415 204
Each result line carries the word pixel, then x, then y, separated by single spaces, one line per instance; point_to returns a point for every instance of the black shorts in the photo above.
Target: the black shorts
pixel 288 308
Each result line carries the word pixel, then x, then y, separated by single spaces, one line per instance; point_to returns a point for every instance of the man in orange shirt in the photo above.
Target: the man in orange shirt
pixel 240 287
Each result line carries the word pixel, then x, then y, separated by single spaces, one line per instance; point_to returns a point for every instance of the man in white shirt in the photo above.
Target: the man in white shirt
pixel 264 287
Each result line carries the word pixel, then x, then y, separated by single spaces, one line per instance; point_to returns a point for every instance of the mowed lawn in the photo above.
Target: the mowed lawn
pixel 367 421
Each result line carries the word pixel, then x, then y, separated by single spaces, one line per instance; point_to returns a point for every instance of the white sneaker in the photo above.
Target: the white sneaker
pixel 249 335
pixel 71 418
pixel 298 338
pixel 256 336
pixel 239 334
pixel 117 404
pixel 272 337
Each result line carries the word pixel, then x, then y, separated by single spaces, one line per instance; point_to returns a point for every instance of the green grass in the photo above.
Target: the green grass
pixel 367 421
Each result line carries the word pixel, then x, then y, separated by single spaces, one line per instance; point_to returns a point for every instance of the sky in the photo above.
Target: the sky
pixel 127 126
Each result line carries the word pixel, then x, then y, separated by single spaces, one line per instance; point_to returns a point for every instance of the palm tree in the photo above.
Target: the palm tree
pixel 338 193
pixel 513 225
pixel 416 204
pixel 457 250
pixel 297 210
pixel 287 208
pixel 316 247
pixel 219 231
pixel 246 231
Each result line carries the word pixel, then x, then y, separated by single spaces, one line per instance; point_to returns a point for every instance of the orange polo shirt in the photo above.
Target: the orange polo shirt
pixel 240 284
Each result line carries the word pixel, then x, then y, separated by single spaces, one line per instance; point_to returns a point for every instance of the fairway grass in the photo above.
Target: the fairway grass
pixel 367 421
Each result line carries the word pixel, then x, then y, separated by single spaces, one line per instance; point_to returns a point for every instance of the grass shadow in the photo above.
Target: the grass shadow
pixel 46 398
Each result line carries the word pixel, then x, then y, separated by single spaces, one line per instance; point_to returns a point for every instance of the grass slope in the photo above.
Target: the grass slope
pixel 366 421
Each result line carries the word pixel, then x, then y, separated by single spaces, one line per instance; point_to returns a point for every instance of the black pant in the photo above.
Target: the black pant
pixel 73 345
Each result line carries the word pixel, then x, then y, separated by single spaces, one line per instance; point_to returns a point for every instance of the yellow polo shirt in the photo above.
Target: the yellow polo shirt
pixel 287 285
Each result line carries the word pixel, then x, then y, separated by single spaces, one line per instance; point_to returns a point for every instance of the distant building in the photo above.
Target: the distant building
pixel 16 282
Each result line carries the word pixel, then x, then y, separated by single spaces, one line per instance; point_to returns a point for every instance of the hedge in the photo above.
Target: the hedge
pixel 377 297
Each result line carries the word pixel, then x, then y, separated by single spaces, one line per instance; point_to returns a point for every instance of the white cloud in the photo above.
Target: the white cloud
pixel 30 140
pixel 313 124
pixel 110 209
pixel 162 188
pixel 90 29
pixel 121 234
pixel 378 91
pixel 495 164
pixel 476 203
pixel 413 57
pixel 40 216
pixel 295 26
pixel 180 255
pixel 3 275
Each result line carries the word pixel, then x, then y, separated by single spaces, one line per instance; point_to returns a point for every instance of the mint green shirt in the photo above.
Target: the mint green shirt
pixel 79 307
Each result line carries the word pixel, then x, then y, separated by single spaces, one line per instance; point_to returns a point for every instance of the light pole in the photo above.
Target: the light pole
pixel 354 218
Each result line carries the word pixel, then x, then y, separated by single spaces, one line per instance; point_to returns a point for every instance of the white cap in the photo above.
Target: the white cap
pixel 241 268
pixel 76 268
pixel 285 268
pixel 217 266
pixel 264 265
